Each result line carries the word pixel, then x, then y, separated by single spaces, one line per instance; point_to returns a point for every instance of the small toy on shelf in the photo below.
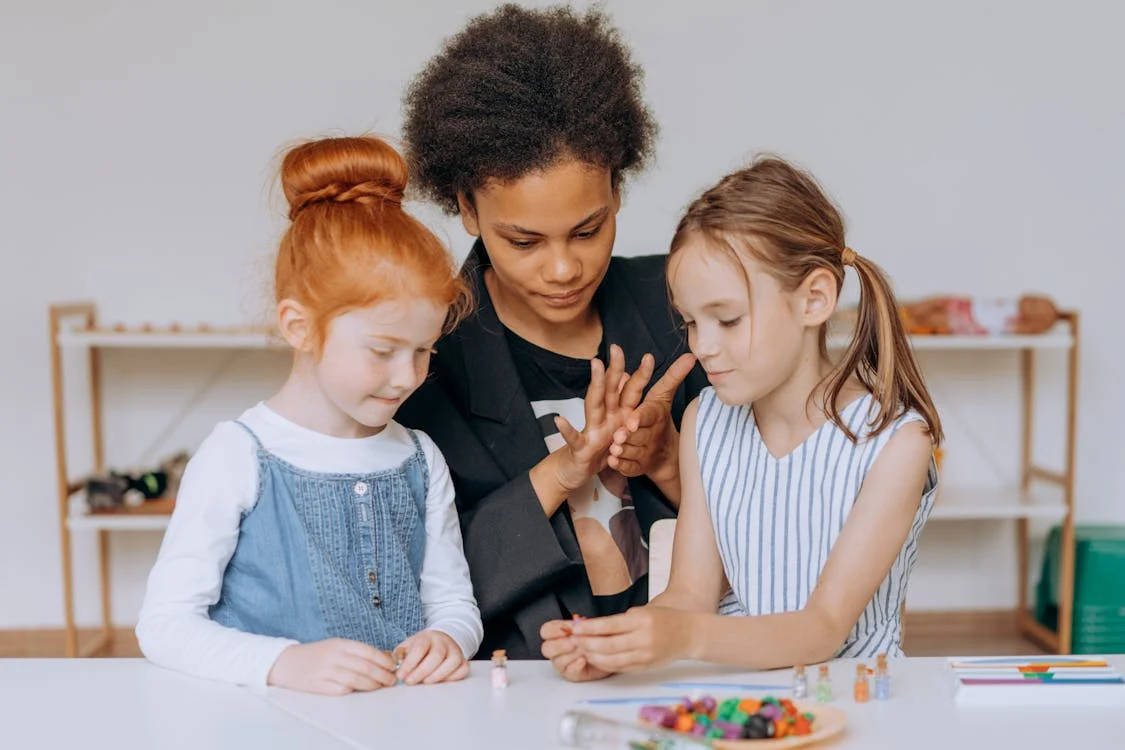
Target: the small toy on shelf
pixel 963 315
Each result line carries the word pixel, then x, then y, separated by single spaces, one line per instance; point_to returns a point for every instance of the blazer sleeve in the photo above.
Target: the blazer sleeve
pixel 515 552
pixel 513 546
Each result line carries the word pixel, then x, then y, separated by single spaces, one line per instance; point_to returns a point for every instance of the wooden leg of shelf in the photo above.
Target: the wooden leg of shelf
pixel 1037 633
pixel 1066 584
pixel 1066 567
pixel 56 316
pixel 1023 564
pixel 103 570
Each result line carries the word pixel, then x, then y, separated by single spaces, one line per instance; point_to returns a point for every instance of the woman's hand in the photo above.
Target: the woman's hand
pixel 613 395
pixel 648 443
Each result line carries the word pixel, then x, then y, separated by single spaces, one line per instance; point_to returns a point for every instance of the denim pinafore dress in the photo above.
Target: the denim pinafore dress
pixel 325 555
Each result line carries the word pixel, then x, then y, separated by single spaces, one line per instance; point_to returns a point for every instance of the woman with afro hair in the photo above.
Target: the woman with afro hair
pixel 557 403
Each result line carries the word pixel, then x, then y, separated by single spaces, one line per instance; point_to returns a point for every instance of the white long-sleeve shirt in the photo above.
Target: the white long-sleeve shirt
pixel 220 485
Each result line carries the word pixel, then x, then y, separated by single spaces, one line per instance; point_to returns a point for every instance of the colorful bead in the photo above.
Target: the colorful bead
pixel 732 718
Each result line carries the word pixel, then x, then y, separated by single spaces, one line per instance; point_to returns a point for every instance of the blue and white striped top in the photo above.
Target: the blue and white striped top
pixel 776 519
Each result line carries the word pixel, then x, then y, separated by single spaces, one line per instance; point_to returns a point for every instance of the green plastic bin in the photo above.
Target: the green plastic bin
pixel 1099 588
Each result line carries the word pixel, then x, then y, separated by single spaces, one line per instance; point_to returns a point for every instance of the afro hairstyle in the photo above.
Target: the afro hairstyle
pixel 515 91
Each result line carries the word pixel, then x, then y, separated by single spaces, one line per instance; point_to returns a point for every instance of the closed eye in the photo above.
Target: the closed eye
pixel 589 233
pixel 730 323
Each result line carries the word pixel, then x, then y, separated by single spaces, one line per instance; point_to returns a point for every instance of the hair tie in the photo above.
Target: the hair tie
pixel 847 256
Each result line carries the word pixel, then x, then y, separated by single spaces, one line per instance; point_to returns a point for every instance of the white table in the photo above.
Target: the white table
pixel 120 704
pixel 470 714
pixel 128 703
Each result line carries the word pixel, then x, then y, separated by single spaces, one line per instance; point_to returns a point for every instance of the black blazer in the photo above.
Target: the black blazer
pixel 526 567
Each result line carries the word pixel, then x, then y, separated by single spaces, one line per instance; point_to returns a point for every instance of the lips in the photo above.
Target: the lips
pixel 566 298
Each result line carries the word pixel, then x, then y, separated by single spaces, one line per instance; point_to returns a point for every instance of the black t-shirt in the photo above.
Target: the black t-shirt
pixel 605 521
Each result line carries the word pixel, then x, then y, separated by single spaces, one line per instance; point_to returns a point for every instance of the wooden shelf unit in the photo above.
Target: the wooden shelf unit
pixel 75 326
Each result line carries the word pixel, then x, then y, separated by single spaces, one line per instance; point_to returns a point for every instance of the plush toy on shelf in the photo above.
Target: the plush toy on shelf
pixel 984 316
pixel 966 315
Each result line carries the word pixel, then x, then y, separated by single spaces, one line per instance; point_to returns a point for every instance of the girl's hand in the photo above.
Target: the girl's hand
pixel 431 656
pixel 611 397
pixel 641 638
pixel 648 443
pixel 335 666
pixel 563 652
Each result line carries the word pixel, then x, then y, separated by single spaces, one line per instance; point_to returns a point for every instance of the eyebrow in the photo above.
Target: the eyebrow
pixel 720 303
pixel 598 215
pixel 391 339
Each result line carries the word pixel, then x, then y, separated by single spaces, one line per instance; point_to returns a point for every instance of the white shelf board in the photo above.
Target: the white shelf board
pixel 1058 338
pixel 168 340
pixel 108 522
pixel 975 503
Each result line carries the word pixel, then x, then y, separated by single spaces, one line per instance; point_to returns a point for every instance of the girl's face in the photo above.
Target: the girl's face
pixel 748 337
pixel 375 357
pixel 549 236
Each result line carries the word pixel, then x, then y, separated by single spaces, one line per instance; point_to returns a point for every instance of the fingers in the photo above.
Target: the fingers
pixel 354 677
pixel 611 625
pixel 665 388
pixel 621 662
pixel 368 653
pixel 595 395
pixel 572 437
pixel 558 647
pixel 575 670
pixel 630 451
pixel 635 387
pixel 555 629
pixel 434 658
pixel 446 669
pixel 417 650
pixel 613 375
pixel 459 673
pixel 609 644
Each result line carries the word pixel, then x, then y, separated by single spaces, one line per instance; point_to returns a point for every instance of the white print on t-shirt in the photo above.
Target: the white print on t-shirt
pixel 605 520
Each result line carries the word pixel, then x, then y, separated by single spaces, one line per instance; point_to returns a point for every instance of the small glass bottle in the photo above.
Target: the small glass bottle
pixel 499 669
pixel 587 730
pixel 882 678
pixel 823 685
pixel 862 686
pixel 800 682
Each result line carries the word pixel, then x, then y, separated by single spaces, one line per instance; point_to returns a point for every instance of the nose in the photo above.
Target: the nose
pixel 704 344
pixel 405 375
pixel 562 266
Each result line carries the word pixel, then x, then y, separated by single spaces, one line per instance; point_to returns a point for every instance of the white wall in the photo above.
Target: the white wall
pixel 975 147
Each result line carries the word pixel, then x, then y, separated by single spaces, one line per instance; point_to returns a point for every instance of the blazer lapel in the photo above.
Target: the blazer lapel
pixel 501 413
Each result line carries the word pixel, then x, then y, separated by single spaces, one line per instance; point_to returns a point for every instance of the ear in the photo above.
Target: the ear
pixel 616 197
pixel 295 325
pixel 817 297
pixel 468 214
